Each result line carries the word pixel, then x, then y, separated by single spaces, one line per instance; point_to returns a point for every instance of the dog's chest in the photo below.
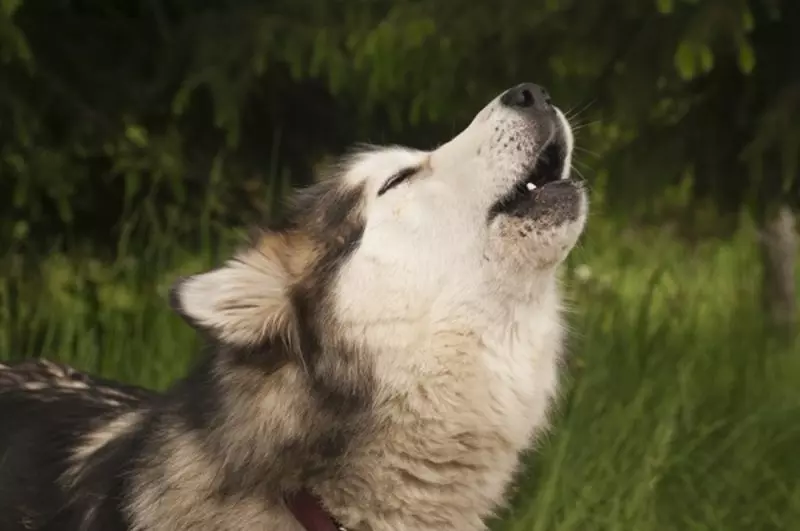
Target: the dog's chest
pixel 520 364
pixel 455 424
pixel 501 379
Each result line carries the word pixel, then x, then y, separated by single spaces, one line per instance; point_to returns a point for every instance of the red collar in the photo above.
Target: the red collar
pixel 308 510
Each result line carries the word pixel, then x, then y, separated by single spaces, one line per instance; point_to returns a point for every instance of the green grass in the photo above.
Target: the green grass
pixel 681 411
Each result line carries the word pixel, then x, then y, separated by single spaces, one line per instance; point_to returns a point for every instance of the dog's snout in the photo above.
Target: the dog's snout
pixel 527 96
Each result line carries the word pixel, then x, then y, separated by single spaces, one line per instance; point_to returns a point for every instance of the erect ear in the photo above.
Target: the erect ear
pixel 247 300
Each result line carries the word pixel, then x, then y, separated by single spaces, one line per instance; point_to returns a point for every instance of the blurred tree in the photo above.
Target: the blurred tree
pixel 107 105
pixel 721 118
pixel 110 107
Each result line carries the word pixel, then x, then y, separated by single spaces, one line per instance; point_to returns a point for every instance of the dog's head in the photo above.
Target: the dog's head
pixel 398 241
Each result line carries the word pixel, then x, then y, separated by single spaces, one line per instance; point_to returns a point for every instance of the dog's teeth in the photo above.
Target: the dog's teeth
pixel 530 186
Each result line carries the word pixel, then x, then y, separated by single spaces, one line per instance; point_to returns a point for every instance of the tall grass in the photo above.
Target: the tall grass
pixel 680 410
pixel 683 411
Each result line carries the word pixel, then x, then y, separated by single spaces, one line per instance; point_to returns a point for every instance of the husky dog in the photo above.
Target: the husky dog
pixel 378 360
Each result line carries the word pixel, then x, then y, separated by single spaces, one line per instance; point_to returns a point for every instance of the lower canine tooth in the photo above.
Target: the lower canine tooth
pixel 530 186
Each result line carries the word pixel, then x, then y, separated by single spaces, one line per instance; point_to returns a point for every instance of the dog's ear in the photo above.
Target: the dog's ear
pixel 248 299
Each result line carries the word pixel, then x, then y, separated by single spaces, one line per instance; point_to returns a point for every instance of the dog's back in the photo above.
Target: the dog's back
pixel 50 420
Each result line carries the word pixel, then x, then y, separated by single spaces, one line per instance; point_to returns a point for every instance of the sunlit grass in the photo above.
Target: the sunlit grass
pixel 680 411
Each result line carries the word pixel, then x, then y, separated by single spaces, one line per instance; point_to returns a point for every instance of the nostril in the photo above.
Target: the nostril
pixel 526 98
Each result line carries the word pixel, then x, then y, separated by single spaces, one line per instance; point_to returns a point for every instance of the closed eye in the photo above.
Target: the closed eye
pixel 398 178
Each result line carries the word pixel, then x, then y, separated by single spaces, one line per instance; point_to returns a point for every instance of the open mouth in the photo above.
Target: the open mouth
pixel 548 169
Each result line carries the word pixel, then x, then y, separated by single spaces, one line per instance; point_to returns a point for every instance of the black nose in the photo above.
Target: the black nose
pixel 527 96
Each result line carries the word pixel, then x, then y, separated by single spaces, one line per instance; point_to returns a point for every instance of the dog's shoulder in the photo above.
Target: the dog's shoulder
pixel 63 436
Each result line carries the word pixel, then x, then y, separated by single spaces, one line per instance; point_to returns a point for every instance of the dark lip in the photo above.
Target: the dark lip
pixel 548 169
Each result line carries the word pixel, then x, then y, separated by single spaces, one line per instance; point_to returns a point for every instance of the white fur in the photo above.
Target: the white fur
pixel 460 316
pixel 464 319
pixel 99 437
pixel 570 138
pixel 242 301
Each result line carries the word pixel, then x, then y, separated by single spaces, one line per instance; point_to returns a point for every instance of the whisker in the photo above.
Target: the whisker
pixel 587 151
pixel 584 125
pixel 574 113
pixel 583 164
pixel 576 170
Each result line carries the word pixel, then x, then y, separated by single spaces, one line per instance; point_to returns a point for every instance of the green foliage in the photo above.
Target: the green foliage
pixel 746 58
pixel 665 7
pixel 131 101
pixel 679 412
pixel 13 45
pixel 681 407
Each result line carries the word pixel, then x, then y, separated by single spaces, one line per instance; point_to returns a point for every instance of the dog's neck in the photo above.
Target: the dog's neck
pixel 432 450
pixel 453 417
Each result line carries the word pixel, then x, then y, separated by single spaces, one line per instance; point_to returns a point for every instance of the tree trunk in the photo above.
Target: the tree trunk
pixel 779 255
